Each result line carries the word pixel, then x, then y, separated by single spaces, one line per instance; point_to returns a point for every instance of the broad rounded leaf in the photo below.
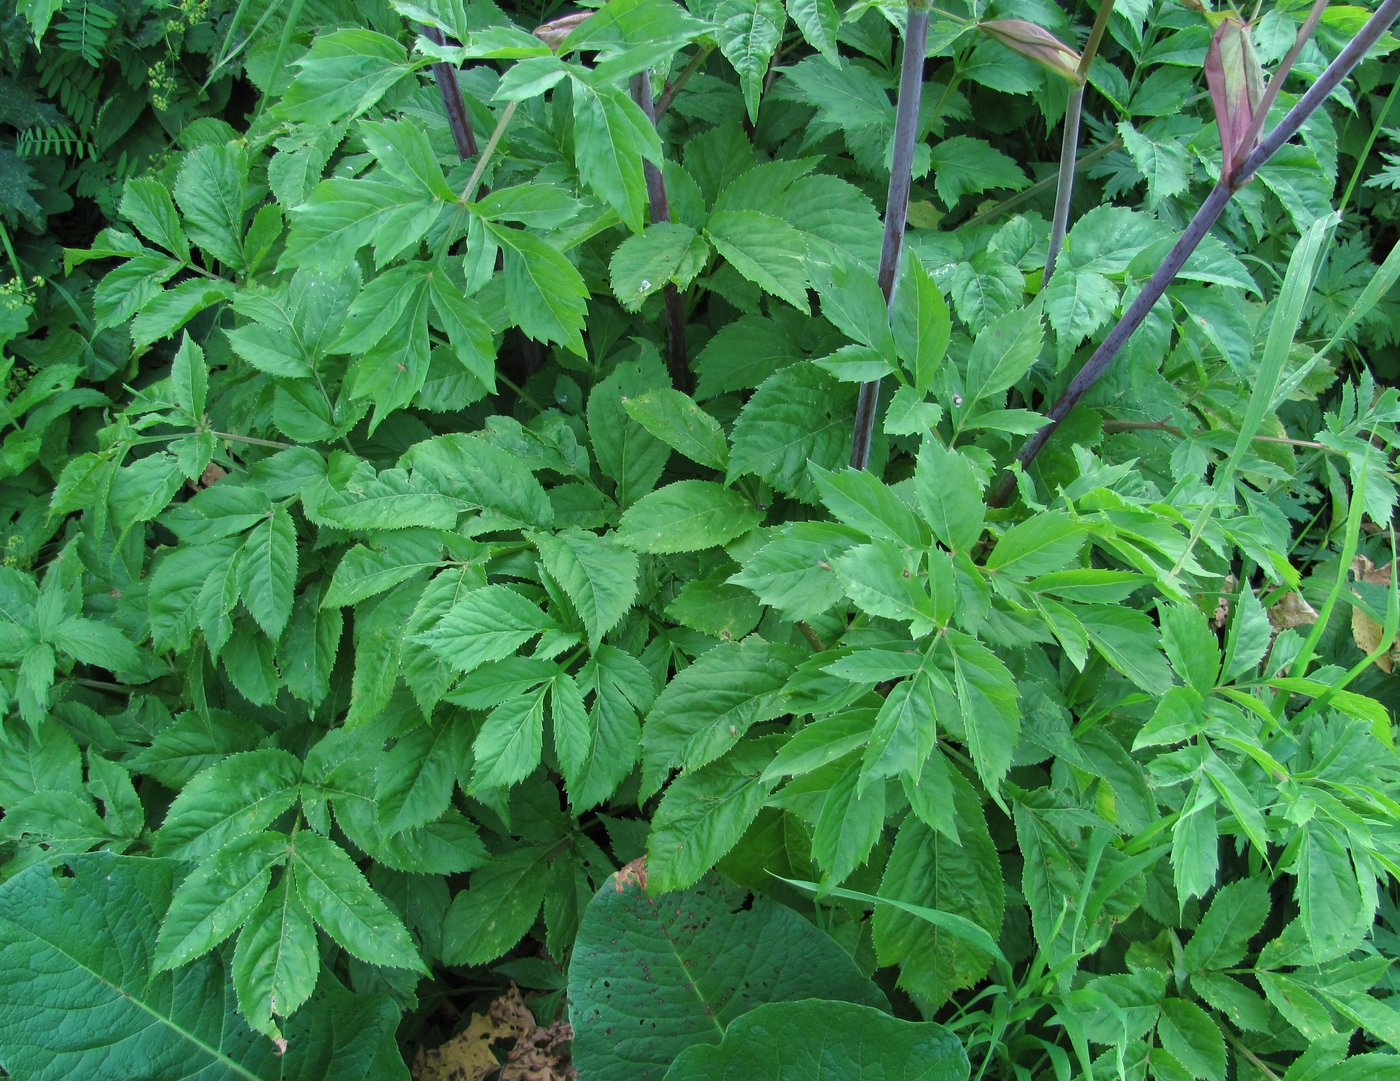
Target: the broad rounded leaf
pixel 819 1040
pixel 653 975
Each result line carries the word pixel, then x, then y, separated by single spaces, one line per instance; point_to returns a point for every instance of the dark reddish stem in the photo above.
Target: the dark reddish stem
pixel 452 104
pixel 677 360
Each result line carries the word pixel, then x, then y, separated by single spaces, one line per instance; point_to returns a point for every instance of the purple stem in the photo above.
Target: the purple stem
pixel 1195 232
pixel 452 104
pixel 677 360
pixel 906 129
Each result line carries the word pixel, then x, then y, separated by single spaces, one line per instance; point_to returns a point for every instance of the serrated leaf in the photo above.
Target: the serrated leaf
pixel 277 961
pixel 818 20
pixel 793 571
pixel 706 709
pixel 687 516
pixel 510 743
pixel 484 625
pixel 1237 913
pixel 962 879
pixel 545 294
pixel 245 793
pixel 1078 302
pixel 497 908
pixel 598 575
pixel 989 701
pixel 267 571
pixel 860 499
pixel 675 419
pixel 1187 1033
pixel 642 265
pixel 702 815
pixel 798 415
pixel 963 165
pixel 764 249
pixel 950 496
pixel 217 898
pixel 343 904
pixel 748 33
pixel 1002 353
pixel 211 187
pixel 921 325
pixel 343 75
pixel 612 137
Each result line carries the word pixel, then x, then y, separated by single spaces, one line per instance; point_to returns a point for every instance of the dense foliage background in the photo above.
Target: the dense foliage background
pixel 439 627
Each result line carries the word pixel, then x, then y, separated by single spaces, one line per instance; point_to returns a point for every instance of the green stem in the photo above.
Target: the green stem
pixel 469 192
pixel 668 93
pixel 1370 142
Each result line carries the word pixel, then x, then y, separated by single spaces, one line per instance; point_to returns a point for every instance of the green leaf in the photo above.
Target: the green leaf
pixel 497 908
pixel 850 823
pixel 170 310
pixel 343 215
pixel 414 779
pixel 243 794
pixel 384 561
pixel 860 499
pixel 1002 353
pixel 467 331
pixel 481 475
pixel 687 516
pixel 277 962
pixel 267 571
pixel 212 189
pixel 852 302
pixel 598 575
pixel 793 571
pixel 1047 542
pixel 1165 162
pixel 966 166
pixel 342 903
pixel 1187 1033
pixel 218 898
pixel 1190 645
pixel 818 20
pixel 545 294
pixel 706 708
pixel 404 153
pixel 693 962
pixel 748 34
pixel 625 451
pixel 798 415
pixel 988 699
pixel 642 265
pixel 510 743
pixel 612 137
pixel 950 495
pixel 703 814
pixel 905 730
pixel 1078 302
pixel 763 248
pixel 817 1040
pixel 927 869
pixel 881 581
pixel 146 203
pixel 1330 898
pixel 1129 642
pixel 1195 844
pixel 342 76
pixel 1237 913
pixel 921 325
pixel 677 421
pixel 485 625
pixel 56 969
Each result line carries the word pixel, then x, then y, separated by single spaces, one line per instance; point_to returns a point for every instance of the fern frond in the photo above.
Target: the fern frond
pixel 85 29
pixel 76 87
pixel 59 140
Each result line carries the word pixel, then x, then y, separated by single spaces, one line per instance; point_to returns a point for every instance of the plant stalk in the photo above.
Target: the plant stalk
pixel 1195 232
pixel 677 359
pixel 906 128
pixel 1069 146
pixel 446 77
